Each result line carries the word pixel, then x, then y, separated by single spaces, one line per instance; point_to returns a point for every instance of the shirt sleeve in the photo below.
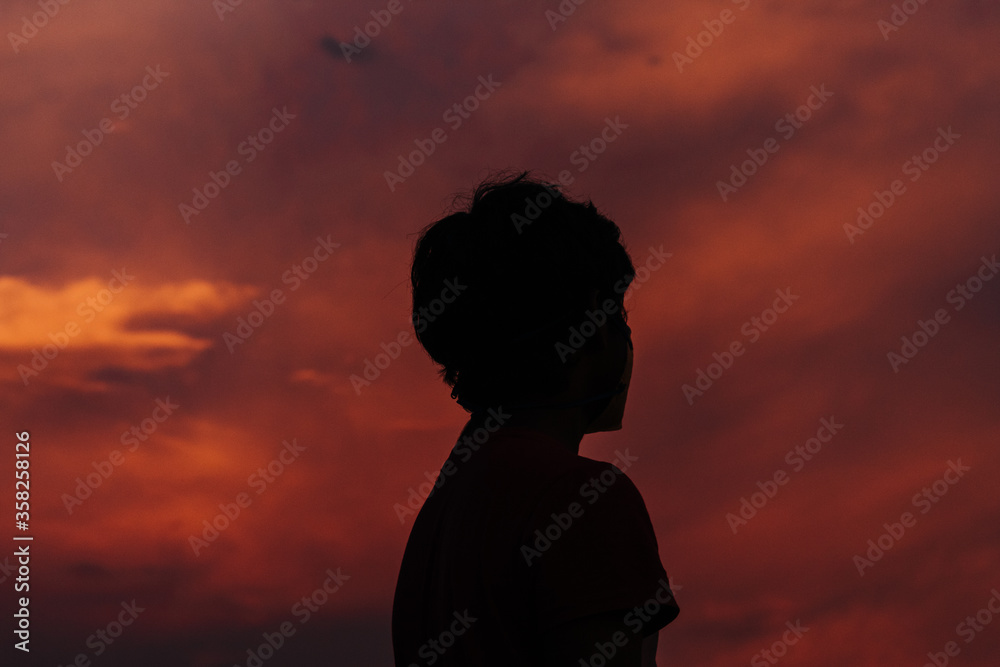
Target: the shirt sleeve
pixel 589 548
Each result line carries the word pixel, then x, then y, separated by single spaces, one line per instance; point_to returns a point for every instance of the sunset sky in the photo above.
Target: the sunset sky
pixel 191 274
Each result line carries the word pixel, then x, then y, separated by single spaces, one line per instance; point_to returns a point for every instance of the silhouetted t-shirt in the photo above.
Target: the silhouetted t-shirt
pixel 519 537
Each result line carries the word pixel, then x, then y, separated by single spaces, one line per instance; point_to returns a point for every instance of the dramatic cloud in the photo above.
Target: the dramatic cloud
pixel 208 214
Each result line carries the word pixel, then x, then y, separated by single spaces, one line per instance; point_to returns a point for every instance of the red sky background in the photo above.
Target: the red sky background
pixel 323 176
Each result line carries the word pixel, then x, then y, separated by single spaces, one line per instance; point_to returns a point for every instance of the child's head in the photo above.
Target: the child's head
pixel 499 286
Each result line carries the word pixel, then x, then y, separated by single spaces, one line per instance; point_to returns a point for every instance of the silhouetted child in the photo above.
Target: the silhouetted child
pixel 526 553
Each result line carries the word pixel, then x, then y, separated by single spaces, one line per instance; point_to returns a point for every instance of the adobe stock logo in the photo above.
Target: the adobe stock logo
pixel 566 9
pixel 85 486
pixel 434 648
pixel 102 638
pixel 927 329
pixel 697 44
pixel 466 446
pixel 915 167
pixel 88 310
pixel 591 490
pixel 38 20
pixel 373 367
pixel 968 628
pixel 250 148
pixel 786 126
pixel 796 457
pixel 778 650
pixel 899 16
pixel 752 329
pixel 303 609
pixel 455 116
pixel 122 106
pixel 924 500
pixel 258 481
pixel 263 309
pixel 381 18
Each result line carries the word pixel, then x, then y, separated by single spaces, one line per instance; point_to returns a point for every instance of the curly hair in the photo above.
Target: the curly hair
pixel 522 264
